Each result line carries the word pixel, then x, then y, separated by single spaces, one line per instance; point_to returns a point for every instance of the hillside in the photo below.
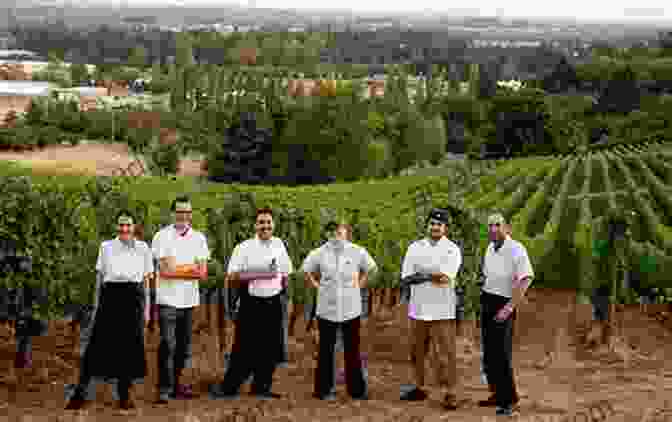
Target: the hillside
pixel 556 203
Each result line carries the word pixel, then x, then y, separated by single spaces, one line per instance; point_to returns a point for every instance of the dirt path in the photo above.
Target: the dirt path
pixel 91 158
pixel 574 381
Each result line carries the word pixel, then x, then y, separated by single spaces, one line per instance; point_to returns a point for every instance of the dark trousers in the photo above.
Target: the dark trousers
pixel 175 345
pixel 497 338
pixel 284 302
pixel 599 299
pixel 257 346
pixel 324 373
pixel 84 388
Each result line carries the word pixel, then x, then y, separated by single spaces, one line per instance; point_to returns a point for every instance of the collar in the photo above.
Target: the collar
pixel 432 242
pixel 182 234
pixel 507 238
pixel 333 244
pixel 263 242
pixel 130 245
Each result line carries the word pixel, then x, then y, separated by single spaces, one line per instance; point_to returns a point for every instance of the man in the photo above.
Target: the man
pixel 432 306
pixel 123 264
pixel 177 294
pixel 342 269
pixel 508 274
pixel 260 265
pixel 365 326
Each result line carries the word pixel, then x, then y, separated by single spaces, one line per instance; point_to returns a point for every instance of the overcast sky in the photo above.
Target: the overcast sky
pixel 581 9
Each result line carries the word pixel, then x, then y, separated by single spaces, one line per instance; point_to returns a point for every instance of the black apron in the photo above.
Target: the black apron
pixel 116 350
pixel 260 320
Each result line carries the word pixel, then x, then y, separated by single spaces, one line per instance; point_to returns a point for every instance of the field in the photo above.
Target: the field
pixel 559 201
pixel 90 159
pixel 630 382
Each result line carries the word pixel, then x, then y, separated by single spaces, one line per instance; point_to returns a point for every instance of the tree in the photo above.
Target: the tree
pixel 621 94
pixel 665 42
pixel 562 78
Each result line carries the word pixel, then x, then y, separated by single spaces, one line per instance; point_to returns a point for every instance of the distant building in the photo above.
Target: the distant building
pixel 25 88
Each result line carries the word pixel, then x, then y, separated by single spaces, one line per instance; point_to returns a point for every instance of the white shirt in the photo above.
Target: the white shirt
pixel 428 301
pixel 337 299
pixel 119 263
pixel 256 256
pixel 168 242
pixel 506 266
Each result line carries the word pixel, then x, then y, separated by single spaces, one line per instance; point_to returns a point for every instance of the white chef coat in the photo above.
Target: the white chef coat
pixel 337 299
pixel 120 263
pixel 505 267
pixel 256 255
pixel 430 302
pixel 168 242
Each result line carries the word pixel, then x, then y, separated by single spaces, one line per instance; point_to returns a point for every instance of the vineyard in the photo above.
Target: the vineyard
pixel 62 228
pixel 557 206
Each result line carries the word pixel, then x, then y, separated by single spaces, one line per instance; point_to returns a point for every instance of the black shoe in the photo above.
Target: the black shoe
pixel 364 396
pixel 127 404
pixel 415 394
pixel 512 410
pixel 490 402
pixel 325 397
pixel 76 403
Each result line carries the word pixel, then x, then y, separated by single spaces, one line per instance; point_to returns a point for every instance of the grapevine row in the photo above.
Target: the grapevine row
pixel 516 201
pixel 609 188
pixel 498 194
pixel 651 220
pixel 489 184
pixel 661 169
pixel 597 183
pixel 578 178
pixel 561 203
pixel 661 194
pixel 583 236
pixel 535 211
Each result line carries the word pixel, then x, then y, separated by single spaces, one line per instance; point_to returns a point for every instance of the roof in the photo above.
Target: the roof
pixel 38 88
pixel 21 52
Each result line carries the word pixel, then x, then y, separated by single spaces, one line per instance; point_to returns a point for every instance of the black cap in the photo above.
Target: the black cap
pixel 439 214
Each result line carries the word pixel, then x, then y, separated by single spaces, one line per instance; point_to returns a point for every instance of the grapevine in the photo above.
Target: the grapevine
pixel 516 201
pixel 559 206
pixel 533 209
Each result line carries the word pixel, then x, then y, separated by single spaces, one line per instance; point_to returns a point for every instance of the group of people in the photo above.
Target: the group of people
pixel 259 268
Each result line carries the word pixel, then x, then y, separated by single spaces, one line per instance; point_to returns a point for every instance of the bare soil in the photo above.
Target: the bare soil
pixel 549 322
pixel 92 158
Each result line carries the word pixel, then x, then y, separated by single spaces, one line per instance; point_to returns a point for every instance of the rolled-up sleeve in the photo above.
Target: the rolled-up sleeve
pixel 156 245
pixel 205 250
pixel 311 263
pixel 285 262
pixel 408 264
pixel 522 265
pixel 100 262
pixel 367 265
pixel 236 261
